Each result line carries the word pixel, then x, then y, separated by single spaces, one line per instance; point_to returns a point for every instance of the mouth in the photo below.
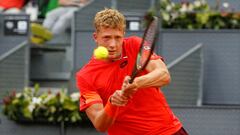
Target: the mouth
pixel 111 52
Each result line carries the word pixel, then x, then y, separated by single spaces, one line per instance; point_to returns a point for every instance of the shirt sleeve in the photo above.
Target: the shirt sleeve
pixel 88 95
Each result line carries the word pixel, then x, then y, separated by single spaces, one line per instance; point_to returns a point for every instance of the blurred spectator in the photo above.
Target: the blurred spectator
pixel 46 6
pixel 11 6
pixel 57 21
pixel 32 10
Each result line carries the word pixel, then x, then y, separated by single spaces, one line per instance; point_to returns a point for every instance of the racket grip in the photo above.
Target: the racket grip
pixel 133 77
pixel 131 80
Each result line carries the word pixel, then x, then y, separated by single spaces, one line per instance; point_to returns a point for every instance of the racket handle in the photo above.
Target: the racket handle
pixel 133 77
pixel 131 80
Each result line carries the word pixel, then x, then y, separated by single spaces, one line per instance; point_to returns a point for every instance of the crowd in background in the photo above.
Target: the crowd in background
pixel 48 17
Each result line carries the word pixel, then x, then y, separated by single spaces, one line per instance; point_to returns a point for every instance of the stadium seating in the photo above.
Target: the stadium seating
pixel 14 53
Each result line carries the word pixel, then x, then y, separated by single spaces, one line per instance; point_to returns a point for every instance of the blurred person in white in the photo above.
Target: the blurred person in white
pixel 57 21
pixel 11 6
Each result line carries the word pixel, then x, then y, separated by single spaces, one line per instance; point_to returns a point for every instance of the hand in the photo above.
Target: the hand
pixel 129 88
pixel 118 99
pixel 121 97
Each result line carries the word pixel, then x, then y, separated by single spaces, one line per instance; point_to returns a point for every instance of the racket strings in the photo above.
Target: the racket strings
pixel 146 48
pixel 148 41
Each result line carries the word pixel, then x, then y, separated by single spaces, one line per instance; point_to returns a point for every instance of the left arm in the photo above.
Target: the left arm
pixel 157 76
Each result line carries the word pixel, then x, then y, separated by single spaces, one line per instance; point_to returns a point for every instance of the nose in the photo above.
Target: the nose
pixel 112 43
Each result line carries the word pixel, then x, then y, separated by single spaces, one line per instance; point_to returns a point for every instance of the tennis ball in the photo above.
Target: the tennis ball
pixel 101 52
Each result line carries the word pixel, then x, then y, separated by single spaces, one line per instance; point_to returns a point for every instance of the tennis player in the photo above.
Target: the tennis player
pixel 111 103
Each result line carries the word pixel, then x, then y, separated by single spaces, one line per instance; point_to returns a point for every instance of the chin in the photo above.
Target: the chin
pixel 114 57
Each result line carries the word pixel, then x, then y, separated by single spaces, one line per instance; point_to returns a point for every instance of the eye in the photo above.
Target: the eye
pixel 118 37
pixel 106 38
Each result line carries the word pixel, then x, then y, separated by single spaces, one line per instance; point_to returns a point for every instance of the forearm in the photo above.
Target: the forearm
pixel 102 121
pixel 102 117
pixel 156 78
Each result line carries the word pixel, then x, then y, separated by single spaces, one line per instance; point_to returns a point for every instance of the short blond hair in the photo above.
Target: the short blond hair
pixel 109 18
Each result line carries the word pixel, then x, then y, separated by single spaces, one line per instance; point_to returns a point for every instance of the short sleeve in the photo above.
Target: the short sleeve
pixel 88 95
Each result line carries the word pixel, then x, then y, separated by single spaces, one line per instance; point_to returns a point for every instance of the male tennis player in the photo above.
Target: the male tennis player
pixel 110 102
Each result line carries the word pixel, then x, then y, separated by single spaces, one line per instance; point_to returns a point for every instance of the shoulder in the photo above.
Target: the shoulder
pixel 132 43
pixel 85 70
pixel 92 68
pixel 133 39
pixel 84 78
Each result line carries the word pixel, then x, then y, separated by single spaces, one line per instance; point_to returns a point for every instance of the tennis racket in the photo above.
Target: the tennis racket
pixel 146 47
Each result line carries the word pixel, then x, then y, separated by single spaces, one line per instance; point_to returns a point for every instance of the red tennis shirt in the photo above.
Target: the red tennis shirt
pixel 147 113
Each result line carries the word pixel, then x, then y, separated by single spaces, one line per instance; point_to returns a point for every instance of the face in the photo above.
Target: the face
pixel 112 39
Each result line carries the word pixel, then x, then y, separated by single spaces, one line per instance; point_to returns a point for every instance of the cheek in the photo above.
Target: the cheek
pixel 120 43
pixel 119 47
pixel 101 42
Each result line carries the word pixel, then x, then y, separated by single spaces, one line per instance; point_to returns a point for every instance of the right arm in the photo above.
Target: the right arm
pixel 99 115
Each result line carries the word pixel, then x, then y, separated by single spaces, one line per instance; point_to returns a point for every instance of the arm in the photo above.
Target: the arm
pixel 157 76
pixel 103 117
pixel 99 117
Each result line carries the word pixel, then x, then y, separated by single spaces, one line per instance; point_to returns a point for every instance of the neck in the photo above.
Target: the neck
pixel 118 58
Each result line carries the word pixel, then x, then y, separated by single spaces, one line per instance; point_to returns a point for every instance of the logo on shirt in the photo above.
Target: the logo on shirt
pixel 146 48
pixel 124 63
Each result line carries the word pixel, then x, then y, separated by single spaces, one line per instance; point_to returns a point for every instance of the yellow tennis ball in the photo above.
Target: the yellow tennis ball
pixel 101 52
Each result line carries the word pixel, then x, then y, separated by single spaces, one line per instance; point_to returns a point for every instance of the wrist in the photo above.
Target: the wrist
pixel 110 109
pixel 110 99
pixel 138 82
pixel 136 85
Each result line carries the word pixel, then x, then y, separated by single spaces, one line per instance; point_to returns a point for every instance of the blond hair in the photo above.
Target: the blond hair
pixel 109 18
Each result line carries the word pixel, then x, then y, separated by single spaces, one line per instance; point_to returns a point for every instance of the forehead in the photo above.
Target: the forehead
pixel 103 27
pixel 110 31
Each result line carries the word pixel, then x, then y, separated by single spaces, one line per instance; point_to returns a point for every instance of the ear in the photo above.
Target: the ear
pixel 95 36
